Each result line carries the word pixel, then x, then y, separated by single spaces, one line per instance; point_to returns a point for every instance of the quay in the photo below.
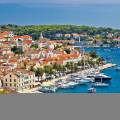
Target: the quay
pixel 108 65
pixel 52 82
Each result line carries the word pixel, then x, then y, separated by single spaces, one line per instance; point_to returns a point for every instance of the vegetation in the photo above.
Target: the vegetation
pixel 17 50
pixel 93 54
pixel 34 46
pixel 49 31
pixel 70 67
pixel 39 73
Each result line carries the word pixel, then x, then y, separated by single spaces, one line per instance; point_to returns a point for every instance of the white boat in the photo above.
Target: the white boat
pixel 88 79
pixel 118 68
pixel 100 84
pixel 92 90
pixel 68 85
pixel 48 89
pixel 102 77
pixel 80 80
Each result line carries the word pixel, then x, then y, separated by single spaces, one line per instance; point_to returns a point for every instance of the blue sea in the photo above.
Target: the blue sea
pixel 103 15
pixel 110 55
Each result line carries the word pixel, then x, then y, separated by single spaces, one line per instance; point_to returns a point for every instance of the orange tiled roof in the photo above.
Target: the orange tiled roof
pixel 27 41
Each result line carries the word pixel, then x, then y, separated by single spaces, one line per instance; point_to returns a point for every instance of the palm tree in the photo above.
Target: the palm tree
pixel 70 66
pixel 49 70
pixel 63 68
pixel 39 73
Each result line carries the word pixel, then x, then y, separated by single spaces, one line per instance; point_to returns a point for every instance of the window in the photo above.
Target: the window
pixel 10 80
pixel 10 85
pixel 14 80
pixel 6 80
pixel 14 85
pixel 10 76
pixel 6 84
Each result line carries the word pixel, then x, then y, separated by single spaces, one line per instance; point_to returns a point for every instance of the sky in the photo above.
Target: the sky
pixel 62 1
pixel 104 13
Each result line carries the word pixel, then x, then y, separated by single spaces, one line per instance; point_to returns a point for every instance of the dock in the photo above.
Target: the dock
pixel 108 65
pixel 52 82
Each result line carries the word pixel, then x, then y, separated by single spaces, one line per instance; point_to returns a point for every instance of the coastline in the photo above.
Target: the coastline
pixel 52 82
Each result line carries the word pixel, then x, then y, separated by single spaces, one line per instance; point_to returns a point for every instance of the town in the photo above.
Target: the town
pixel 25 63
pixel 19 55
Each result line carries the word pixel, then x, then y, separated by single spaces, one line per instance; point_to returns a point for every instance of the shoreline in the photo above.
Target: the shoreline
pixel 52 82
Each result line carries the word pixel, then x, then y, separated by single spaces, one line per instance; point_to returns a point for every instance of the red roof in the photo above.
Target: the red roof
pixel 27 41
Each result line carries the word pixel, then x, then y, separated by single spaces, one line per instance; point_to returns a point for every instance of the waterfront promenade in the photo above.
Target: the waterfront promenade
pixel 52 82
pixel 108 65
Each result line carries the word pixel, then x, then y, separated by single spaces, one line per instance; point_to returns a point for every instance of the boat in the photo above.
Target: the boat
pixel 79 80
pixel 48 89
pixel 69 84
pixel 118 68
pixel 87 79
pixel 100 84
pixel 92 90
pixel 102 77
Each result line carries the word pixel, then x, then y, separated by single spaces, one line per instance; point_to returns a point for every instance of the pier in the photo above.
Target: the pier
pixel 108 65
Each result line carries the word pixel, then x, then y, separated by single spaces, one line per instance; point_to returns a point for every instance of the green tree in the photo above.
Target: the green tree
pixel 39 73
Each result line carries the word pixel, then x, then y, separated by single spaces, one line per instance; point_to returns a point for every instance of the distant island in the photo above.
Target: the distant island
pixel 91 36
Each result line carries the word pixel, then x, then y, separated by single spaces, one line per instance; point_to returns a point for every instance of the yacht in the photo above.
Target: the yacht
pixel 80 80
pixel 102 77
pixel 48 89
pixel 69 84
pixel 100 84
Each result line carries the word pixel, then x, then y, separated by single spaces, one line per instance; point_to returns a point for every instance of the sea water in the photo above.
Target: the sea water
pixel 110 55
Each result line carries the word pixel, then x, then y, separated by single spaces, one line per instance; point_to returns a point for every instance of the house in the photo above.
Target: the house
pixel 26 44
pixel 75 35
pixel 67 36
pixel 7 34
pixel 19 80
pixel 58 35
pixel 24 37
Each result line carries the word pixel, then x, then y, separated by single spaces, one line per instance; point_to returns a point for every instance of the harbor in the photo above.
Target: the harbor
pixel 71 82
pixel 103 80
pixel 108 69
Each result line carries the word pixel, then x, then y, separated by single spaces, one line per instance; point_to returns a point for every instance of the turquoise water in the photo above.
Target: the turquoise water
pixel 114 56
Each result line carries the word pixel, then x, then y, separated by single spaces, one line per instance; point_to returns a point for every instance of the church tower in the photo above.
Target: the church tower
pixel 41 36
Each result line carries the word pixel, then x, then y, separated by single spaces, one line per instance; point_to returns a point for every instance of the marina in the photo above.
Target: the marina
pixel 108 71
pixel 106 80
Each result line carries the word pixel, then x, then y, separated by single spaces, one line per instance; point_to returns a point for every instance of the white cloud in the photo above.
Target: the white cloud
pixel 62 1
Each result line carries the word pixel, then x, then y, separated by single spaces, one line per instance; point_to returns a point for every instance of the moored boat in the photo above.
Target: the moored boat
pixel 69 84
pixel 48 89
pixel 92 90
pixel 102 77
pixel 100 84
pixel 118 68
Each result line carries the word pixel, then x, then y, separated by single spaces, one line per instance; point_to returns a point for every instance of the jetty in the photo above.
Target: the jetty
pixel 108 65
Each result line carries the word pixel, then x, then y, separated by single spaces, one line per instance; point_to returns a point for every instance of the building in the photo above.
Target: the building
pixel 19 80
pixel 75 35
pixel 58 35
pixel 6 35
pixel 67 36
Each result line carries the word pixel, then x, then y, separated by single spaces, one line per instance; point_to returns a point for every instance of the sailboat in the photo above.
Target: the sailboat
pixel 84 76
